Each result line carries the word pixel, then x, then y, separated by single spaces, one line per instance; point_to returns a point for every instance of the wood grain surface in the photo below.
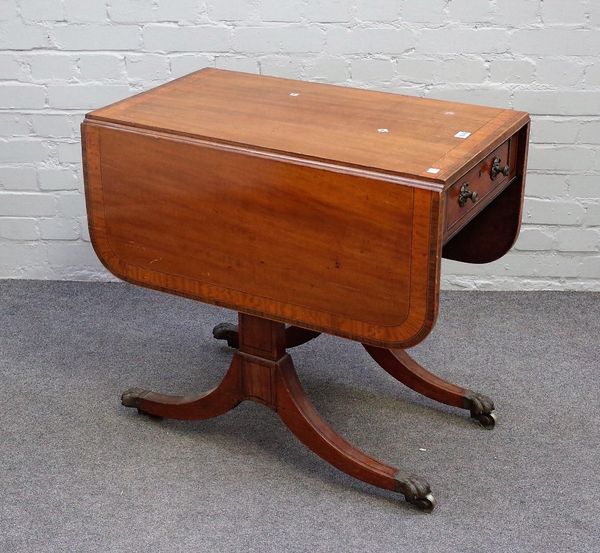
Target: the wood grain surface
pixel 394 133
pixel 480 181
pixel 493 232
pixel 326 250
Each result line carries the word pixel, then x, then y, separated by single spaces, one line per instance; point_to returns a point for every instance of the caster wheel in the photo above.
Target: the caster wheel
pixel 228 332
pixel 487 421
pixel 425 504
pixel 131 397
pixel 482 409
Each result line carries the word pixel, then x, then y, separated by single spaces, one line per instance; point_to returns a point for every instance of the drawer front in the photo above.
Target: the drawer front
pixel 473 191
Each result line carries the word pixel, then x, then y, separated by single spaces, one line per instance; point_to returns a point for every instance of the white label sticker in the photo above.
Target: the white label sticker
pixel 433 170
pixel 383 130
pixel 462 134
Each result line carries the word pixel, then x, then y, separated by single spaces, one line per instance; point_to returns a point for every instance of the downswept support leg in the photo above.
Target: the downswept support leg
pixel 300 416
pixel 219 400
pixel 404 368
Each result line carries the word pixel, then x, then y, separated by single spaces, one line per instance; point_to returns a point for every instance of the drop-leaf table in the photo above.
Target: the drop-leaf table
pixel 307 208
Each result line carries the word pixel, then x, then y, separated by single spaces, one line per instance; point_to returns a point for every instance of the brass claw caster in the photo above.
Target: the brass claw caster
pixel 228 332
pixel 482 409
pixel 132 397
pixel 425 504
pixel 416 491
pixel 488 420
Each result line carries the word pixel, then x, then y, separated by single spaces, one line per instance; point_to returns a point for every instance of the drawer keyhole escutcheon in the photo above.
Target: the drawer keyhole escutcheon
pixel 466 194
pixel 496 169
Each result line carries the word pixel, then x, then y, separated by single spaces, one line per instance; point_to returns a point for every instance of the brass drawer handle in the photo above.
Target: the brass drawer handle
pixel 466 194
pixel 496 169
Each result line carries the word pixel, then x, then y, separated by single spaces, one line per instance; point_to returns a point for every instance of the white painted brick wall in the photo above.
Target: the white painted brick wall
pixel 61 58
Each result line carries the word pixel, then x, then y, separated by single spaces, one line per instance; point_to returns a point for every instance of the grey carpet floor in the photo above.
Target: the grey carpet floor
pixel 80 473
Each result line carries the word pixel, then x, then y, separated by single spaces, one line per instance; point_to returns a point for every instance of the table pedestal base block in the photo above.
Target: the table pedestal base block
pixel 294 335
pixel 262 371
pixel 401 366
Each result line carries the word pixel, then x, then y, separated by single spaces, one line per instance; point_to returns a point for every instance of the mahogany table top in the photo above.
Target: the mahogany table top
pixel 411 137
